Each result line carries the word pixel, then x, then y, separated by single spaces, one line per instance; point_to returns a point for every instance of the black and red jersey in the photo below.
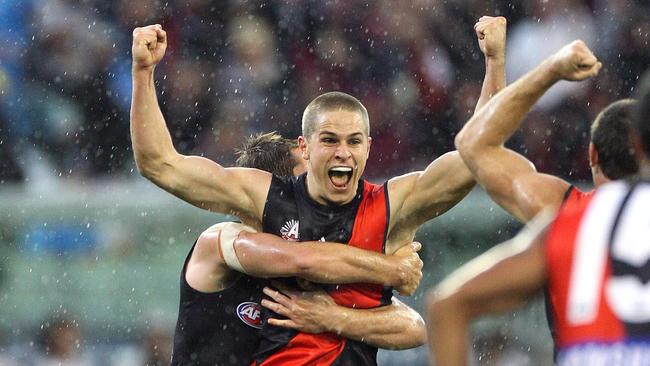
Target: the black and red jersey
pixel 363 223
pixel 598 260
pixel 217 328
pixel 572 196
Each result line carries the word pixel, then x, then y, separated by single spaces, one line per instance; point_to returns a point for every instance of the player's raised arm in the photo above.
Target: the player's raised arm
pixel 421 196
pixel 266 255
pixel 485 285
pixel 395 326
pixel 491 34
pixel 196 180
pixel 509 178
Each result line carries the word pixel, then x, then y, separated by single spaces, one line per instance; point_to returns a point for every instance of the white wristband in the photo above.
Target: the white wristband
pixel 229 232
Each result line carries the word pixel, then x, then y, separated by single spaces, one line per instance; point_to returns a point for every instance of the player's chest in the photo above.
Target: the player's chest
pixel 295 222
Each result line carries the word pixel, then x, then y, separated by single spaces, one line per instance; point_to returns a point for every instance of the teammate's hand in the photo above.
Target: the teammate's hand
pixel 575 62
pixel 149 45
pixel 491 33
pixel 409 268
pixel 307 311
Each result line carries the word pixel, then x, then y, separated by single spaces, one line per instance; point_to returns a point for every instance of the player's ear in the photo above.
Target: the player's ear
pixel 369 143
pixel 304 149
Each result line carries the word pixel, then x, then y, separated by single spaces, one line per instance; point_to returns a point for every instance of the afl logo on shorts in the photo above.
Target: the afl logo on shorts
pixel 250 313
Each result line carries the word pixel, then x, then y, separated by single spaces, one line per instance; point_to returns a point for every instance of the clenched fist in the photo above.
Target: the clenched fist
pixel 575 62
pixel 149 45
pixel 410 268
pixel 491 33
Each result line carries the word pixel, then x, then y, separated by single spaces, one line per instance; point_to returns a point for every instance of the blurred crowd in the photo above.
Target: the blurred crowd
pixel 238 67
pixel 60 341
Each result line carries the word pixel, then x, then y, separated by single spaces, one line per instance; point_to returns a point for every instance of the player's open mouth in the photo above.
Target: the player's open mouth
pixel 340 176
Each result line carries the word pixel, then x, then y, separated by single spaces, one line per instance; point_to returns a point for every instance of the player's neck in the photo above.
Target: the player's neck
pixel 599 177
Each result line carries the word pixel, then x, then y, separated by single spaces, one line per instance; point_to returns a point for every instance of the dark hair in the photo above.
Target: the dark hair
pixel 610 134
pixel 331 101
pixel 268 151
pixel 642 115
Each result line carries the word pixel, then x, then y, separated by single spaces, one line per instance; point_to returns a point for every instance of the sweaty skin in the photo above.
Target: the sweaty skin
pixel 340 139
pixel 486 284
pixel 509 178
pixel 396 326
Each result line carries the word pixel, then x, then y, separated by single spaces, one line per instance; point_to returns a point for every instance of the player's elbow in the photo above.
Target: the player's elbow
pixel 154 168
pixel 466 143
pixel 147 168
pixel 415 334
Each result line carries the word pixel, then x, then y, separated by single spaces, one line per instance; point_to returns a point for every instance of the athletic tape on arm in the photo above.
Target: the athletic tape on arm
pixel 229 232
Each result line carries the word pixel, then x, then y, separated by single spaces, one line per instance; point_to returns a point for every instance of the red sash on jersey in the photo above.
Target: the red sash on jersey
pixel 369 233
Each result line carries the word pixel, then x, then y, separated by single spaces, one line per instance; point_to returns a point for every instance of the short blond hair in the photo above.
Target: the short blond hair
pixel 332 101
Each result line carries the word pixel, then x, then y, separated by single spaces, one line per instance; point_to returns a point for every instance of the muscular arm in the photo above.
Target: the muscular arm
pixel 485 285
pixel 395 326
pixel 421 196
pixel 491 34
pixel 196 180
pixel 267 255
pixel 509 178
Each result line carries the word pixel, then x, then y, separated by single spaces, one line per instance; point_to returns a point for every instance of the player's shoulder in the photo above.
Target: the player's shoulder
pixel 405 182
pixel 578 201
pixel 442 167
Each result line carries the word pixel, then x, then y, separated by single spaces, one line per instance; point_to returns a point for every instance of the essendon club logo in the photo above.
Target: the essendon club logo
pixel 250 313
pixel 290 230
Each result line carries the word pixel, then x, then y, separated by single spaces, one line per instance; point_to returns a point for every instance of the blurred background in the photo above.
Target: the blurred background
pixel 90 252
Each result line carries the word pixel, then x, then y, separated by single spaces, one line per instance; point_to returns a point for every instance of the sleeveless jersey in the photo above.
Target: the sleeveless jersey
pixel 363 223
pixel 572 196
pixel 598 260
pixel 217 328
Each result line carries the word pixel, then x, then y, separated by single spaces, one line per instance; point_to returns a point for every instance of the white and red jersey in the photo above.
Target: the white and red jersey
pixel 598 260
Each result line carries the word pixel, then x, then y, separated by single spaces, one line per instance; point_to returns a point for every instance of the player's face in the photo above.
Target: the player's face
pixel 336 156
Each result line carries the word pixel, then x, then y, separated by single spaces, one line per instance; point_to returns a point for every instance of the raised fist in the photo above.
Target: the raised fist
pixel 149 45
pixel 575 62
pixel 491 33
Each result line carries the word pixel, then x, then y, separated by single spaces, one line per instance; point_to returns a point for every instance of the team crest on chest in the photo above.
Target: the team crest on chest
pixel 290 230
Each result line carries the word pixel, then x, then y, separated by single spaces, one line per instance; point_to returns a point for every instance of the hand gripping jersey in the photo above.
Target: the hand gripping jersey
pixel 218 328
pixel 363 223
pixel 598 254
